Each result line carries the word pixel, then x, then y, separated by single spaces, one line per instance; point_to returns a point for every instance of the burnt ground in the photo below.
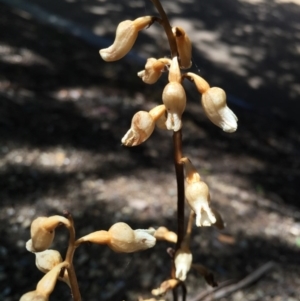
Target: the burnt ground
pixel 62 114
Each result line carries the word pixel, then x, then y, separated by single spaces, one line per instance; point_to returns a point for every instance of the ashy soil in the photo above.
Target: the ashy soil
pixel 63 113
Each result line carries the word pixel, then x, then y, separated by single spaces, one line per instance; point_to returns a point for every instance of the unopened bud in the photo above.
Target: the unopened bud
pixel 125 240
pixel 183 261
pixel 142 126
pixel 198 196
pixel 126 34
pixel 174 71
pixel 153 70
pixel 184 47
pixel 215 107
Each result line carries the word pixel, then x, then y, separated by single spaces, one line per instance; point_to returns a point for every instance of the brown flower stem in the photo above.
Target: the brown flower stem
pixel 175 294
pixel 184 291
pixel 177 143
pixel 69 259
pixel 167 27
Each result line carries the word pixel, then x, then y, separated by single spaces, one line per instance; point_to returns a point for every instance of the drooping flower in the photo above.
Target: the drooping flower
pixel 126 34
pixel 43 230
pixel 153 70
pixel 121 238
pixel 198 196
pixel 142 126
pixel 216 109
pixel 174 98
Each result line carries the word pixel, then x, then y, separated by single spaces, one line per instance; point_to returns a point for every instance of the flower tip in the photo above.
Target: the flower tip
pixel 105 55
pixel 229 124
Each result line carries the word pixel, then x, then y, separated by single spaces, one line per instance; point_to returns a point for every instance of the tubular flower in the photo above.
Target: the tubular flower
pixel 197 195
pixel 184 47
pixel 121 238
pixel 124 239
pixel 153 70
pixel 174 98
pixel 142 126
pixel 43 230
pixel 215 107
pixel 126 34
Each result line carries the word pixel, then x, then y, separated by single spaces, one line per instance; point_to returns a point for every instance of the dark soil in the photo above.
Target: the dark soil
pixel 63 112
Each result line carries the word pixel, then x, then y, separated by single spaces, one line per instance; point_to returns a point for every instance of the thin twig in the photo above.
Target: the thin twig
pixel 221 292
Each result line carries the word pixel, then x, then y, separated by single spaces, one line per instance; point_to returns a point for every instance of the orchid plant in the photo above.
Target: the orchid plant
pixel 190 186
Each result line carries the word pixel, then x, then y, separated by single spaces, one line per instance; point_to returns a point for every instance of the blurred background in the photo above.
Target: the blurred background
pixel 63 112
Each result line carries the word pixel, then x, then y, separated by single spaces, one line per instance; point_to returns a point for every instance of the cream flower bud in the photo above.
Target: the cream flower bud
pixel 184 47
pixel 43 230
pixel 126 34
pixel 183 261
pixel 153 70
pixel 215 107
pixel 197 195
pixel 142 126
pixel 124 239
